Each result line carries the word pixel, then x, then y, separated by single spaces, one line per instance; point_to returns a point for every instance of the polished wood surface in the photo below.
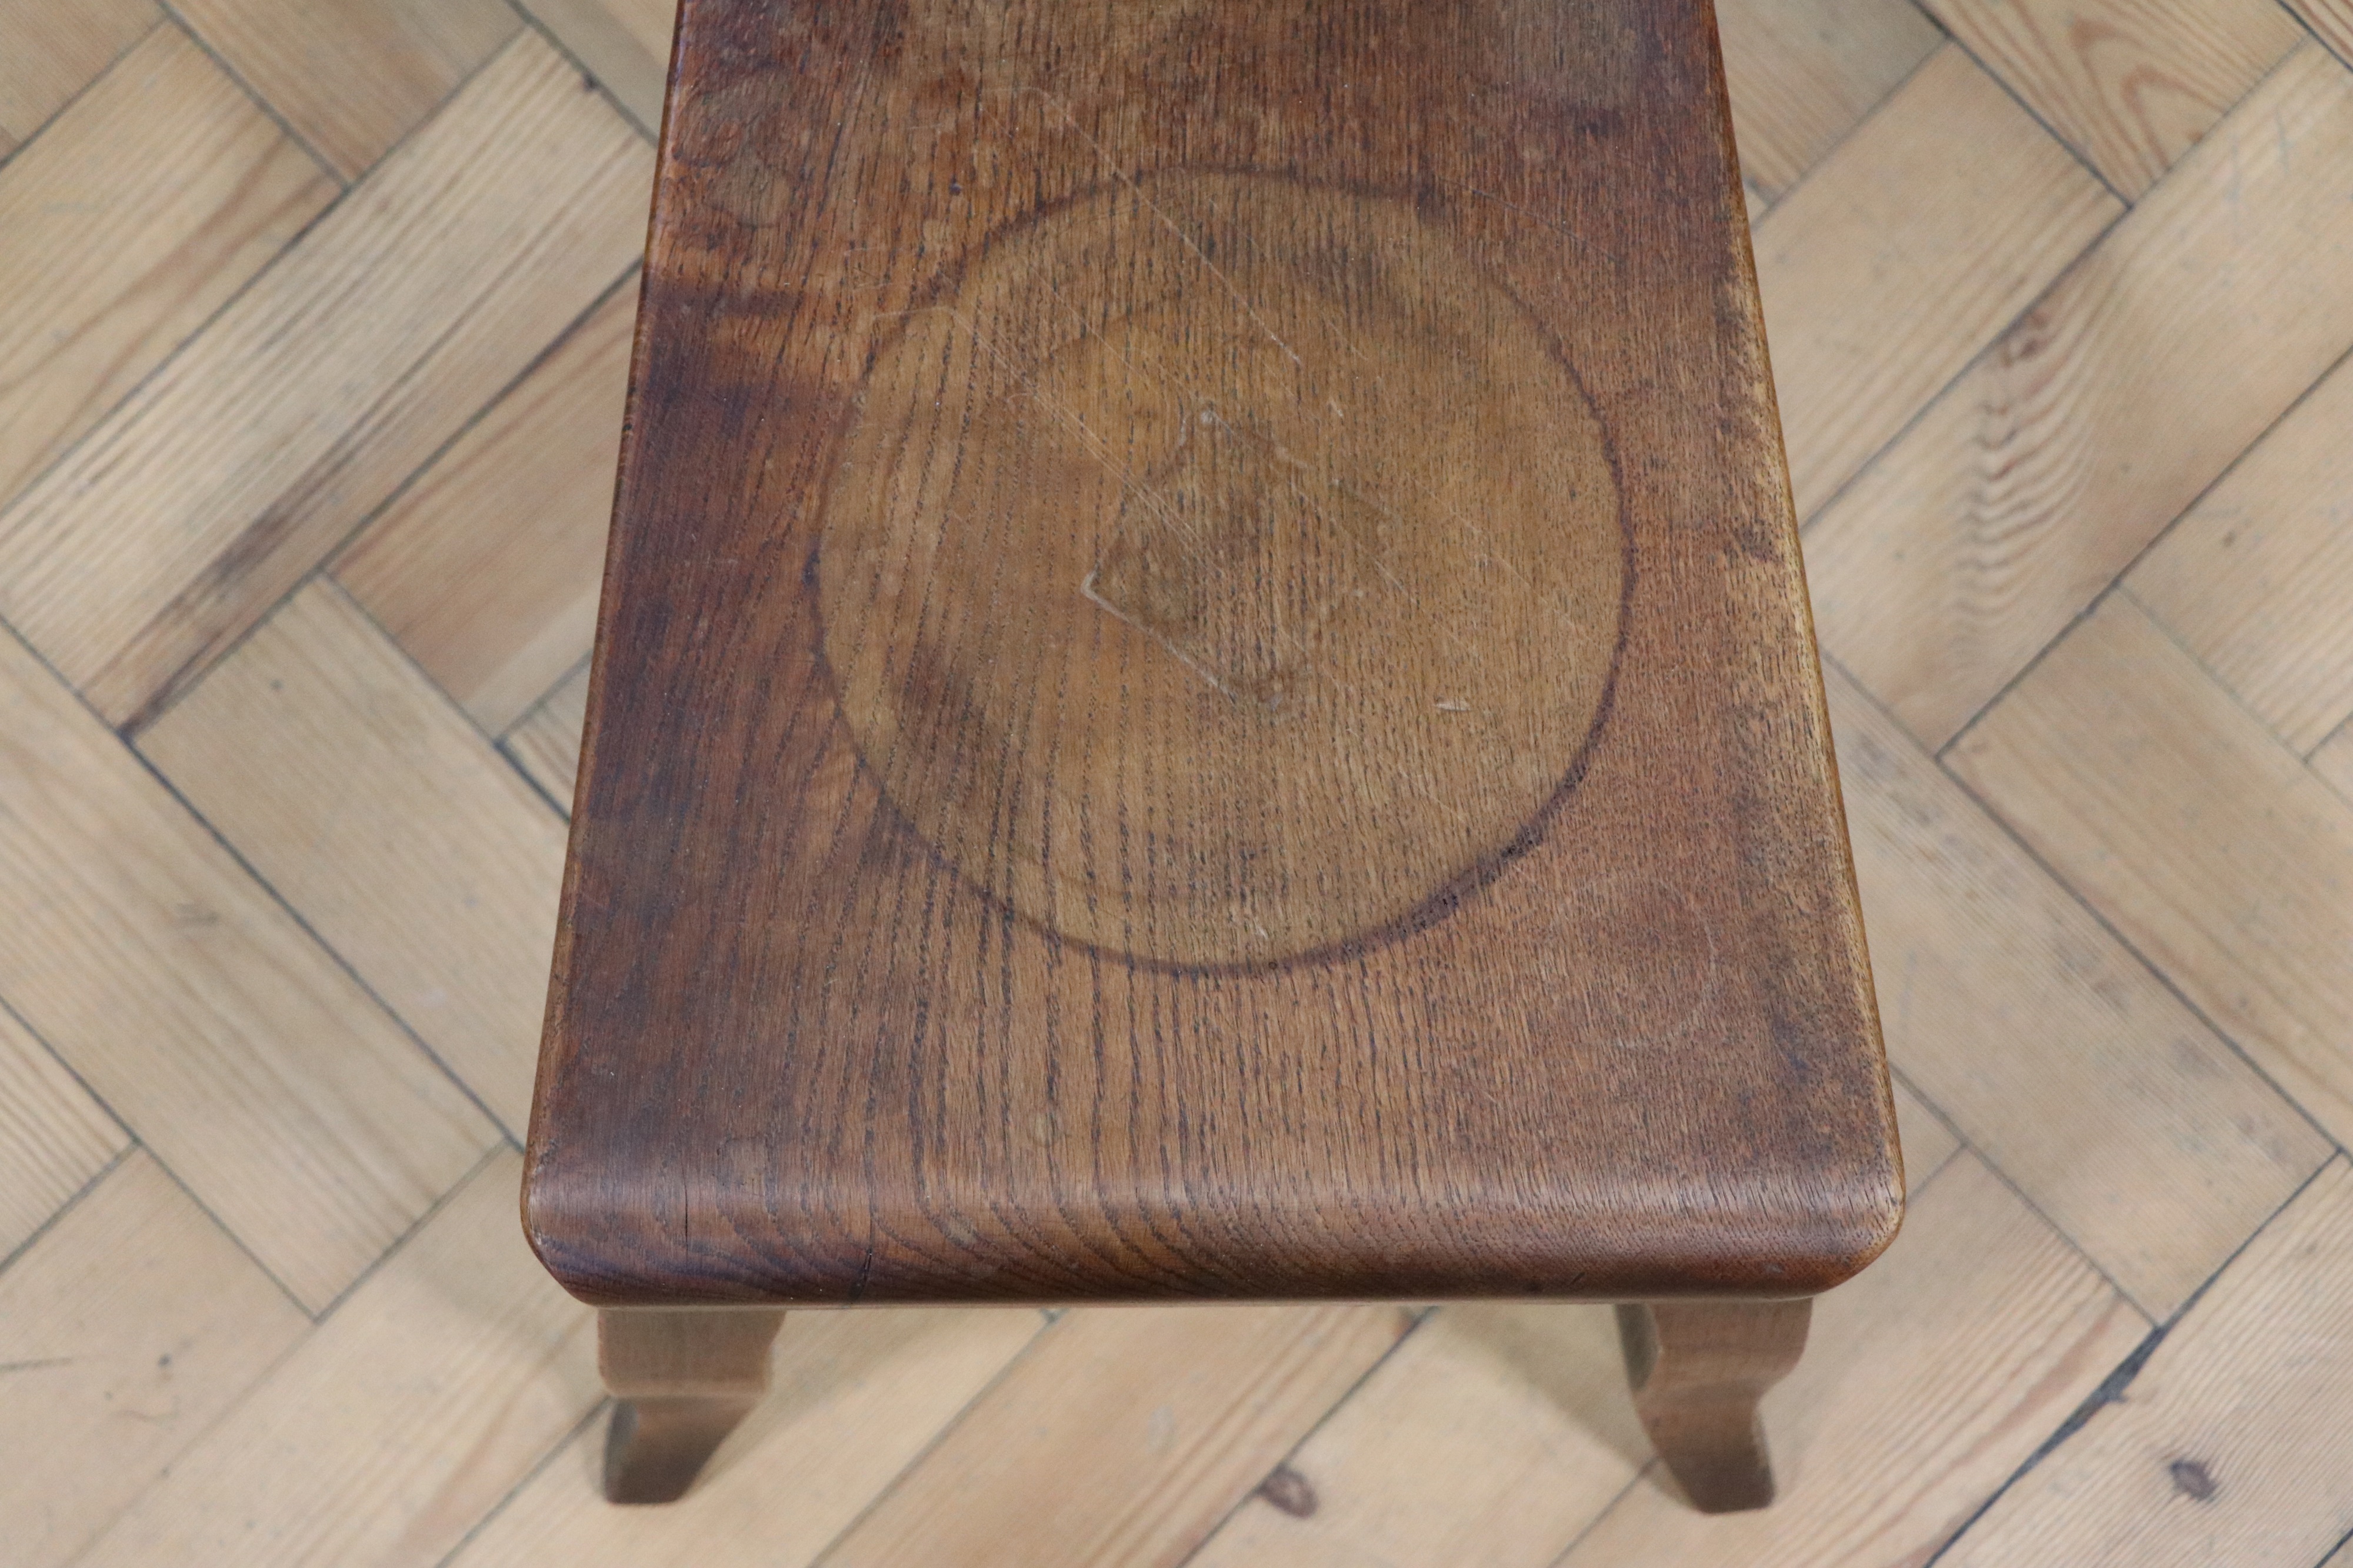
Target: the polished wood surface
pixel 1204 687
pixel 680 1381
pixel 1698 1370
pixel 2089 974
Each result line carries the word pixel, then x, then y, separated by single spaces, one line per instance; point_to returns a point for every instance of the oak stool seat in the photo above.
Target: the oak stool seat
pixel 1204 692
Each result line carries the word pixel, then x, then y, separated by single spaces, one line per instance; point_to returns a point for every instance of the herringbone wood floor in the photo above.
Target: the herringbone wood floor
pixel 313 325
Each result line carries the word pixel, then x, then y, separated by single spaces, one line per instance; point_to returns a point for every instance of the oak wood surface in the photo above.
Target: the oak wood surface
pixel 2119 1112
pixel 857 1398
pixel 1865 332
pixel 448 919
pixel 1204 687
pixel 682 1381
pixel 485 568
pixel 2041 472
pixel 2229 1446
pixel 200 192
pixel 452 1370
pixel 1930 1381
pixel 1699 1369
pixel 2205 843
pixel 131 1327
pixel 1804 72
pixel 291 1104
pixel 352 77
pixel 2254 578
pixel 2131 84
pixel 1158 1419
pixel 54 1137
pixel 54 51
pixel 215 487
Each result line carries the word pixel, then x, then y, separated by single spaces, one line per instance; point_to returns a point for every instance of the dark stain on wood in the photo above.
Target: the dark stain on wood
pixel 930 1000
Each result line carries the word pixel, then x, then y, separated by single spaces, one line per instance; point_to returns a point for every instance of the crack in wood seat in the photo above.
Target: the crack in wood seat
pixel 1204 692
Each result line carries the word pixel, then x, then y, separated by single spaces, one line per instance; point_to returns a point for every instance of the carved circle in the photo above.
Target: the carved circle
pixel 1222 570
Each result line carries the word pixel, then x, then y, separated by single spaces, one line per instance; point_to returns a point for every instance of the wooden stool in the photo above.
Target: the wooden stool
pixel 1204 692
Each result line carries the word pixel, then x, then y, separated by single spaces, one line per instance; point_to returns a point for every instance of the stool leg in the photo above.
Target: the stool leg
pixel 683 1378
pixel 1698 1369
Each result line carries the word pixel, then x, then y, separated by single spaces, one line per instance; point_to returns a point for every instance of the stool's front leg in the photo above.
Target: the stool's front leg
pixel 1698 1370
pixel 683 1378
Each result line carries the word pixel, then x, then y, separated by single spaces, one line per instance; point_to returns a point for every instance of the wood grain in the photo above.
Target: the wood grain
pixel 485 567
pixel 1698 1370
pixel 1929 1140
pixel 236 1047
pixel 1896 262
pixel 2145 1137
pixel 1153 1421
pixel 2194 832
pixel 682 1381
pixel 389 824
pixel 1500 1425
pixel 1284 617
pixel 172 189
pixel 1928 1381
pixel 2227 1447
pixel 2333 762
pixel 625 42
pixel 545 742
pixel 53 1136
pixel 54 51
pixel 352 77
pixel 200 501
pixel 2131 84
pixel 428 1395
pixel 130 1326
pixel 1804 72
pixel 858 1396
pixel 1234 839
pixel 2331 21
pixel 2034 479
pixel 1508 1425
pixel 2257 580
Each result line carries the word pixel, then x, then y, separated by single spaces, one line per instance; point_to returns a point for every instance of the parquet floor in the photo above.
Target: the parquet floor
pixel 313 325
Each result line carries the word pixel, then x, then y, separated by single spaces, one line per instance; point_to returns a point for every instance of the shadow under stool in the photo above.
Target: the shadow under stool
pixel 1204 692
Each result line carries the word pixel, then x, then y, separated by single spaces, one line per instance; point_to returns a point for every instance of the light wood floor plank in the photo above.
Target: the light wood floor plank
pixel 1928 1142
pixel 48 52
pixel 353 77
pixel 2131 84
pixel 1124 1436
pixel 2027 486
pixel 53 1136
pixel 1925 1382
pixel 625 42
pixel 254 451
pixel 1495 1434
pixel 128 1328
pixel 2199 837
pixel 232 1045
pixel 1895 261
pixel 396 1425
pixel 2257 579
pixel 857 1396
pixel 487 567
pixel 2331 21
pixel 2142 1136
pixel 170 189
pixel 546 743
pixel 2333 761
pixel 1803 72
pixel 387 822
pixel 2228 1450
